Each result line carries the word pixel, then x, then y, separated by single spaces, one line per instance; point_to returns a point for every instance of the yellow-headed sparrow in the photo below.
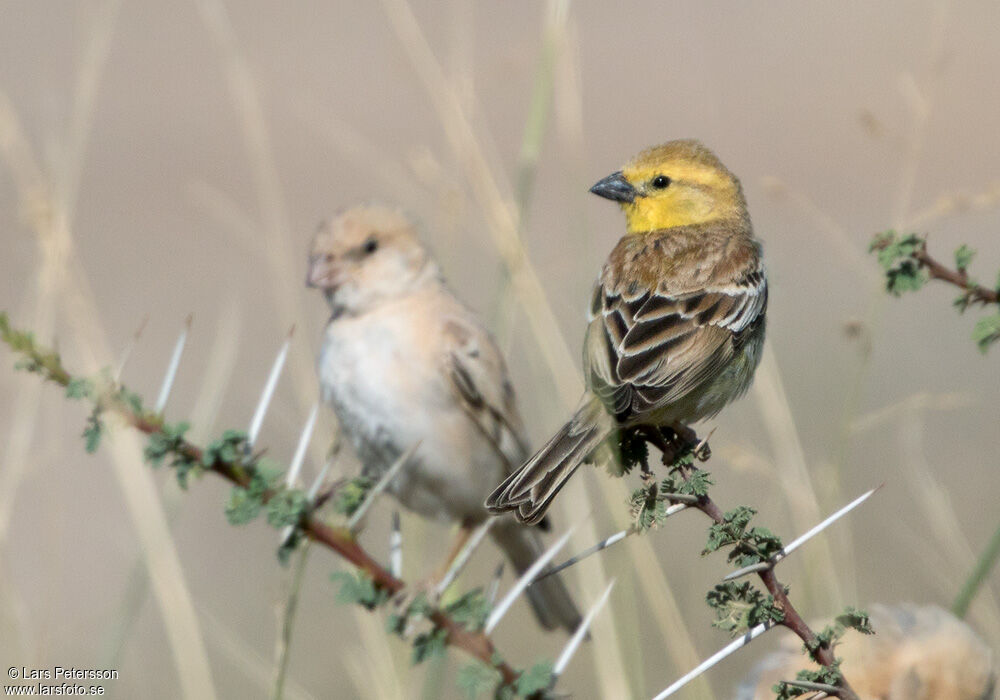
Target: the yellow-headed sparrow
pixel 677 316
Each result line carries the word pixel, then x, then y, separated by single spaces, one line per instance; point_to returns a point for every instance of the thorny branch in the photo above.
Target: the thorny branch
pixel 820 652
pixel 338 539
pixel 908 266
pixel 935 270
pixel 959 278
pixel 243 471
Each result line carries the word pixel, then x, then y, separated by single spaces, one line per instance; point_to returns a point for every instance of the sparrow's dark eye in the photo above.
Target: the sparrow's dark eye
pixel 661 182
pixel 370 246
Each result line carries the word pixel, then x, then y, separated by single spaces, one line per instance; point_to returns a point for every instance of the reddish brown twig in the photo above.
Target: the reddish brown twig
pixel 959 278
pixel 341 541
pixel 935 270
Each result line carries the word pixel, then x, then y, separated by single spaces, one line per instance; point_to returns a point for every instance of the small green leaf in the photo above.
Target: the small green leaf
pixel 896 256
pixel 157 447
pixel 359 589
pixel 740 606
pixel 264 474
pixel 245 504
pixel 28 364
pixel 132 400
pixel 962 302
pixel 429 644
pixel 79 388
pixel 168 440
pixel 850 618
pixel 229 449
pixel 986 332
pixel 471 610
pixel 535 679
pixel 682 460
pixel 504 692
pixel 697 483
pixel 963 256
pixel 907 276
pixel 475 679
pixel 730 531
pixel 242 506
pixel 880 240
pixel 351 495
pixel 759 544
pixel 420 606
pixel 287 508
pixel 94 431
pixel 176 431
pixel 395 623
pixel 856 619
pixel 184 466
pixel 647 509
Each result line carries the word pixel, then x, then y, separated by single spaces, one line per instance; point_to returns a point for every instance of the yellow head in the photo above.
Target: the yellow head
pixel 677 184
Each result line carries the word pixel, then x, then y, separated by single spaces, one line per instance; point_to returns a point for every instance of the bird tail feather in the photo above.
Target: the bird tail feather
pixel 529 490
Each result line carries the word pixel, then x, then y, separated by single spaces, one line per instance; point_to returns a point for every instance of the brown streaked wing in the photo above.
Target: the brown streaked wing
pixel 651 349
pixel 478 375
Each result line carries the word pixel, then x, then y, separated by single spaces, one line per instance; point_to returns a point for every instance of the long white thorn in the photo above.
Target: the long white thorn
pixel 129 347
pixel 715 658
pixel 681 498
pixel 380 486
pixel 463 556
pixel 604 544
pixel 396 547
pixel 300 450
pixel 297 460
pixel 574 642
pixel 268 393
pixel 491 590
pixel 527 578
pixel 321 477
pixel 799 541
pixel 175 362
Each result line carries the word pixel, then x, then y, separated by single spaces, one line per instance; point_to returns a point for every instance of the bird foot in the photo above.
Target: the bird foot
pixel 677 439
pixel 702 452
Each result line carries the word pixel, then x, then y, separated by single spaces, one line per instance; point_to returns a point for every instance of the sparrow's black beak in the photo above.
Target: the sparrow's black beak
pixel 615 187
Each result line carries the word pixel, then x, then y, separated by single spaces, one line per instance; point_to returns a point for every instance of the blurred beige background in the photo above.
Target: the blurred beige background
pixel 161 159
